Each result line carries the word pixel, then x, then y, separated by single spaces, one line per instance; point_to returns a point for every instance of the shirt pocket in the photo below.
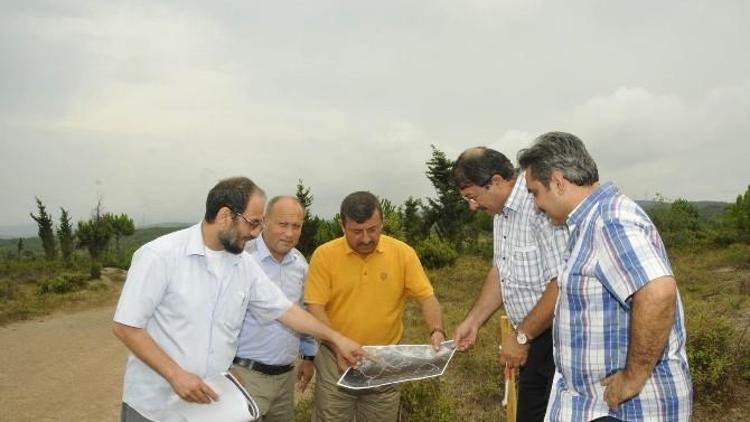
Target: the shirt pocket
pixel 526 264
pixel 235 309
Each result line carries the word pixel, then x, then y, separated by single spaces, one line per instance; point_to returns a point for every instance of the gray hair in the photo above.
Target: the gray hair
pixel 560 151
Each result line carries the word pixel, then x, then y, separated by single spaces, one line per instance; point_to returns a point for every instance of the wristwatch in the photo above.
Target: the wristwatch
pixel 521 337
pixel 308 357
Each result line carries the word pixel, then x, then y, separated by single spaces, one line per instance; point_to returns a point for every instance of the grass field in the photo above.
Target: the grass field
pixel 714 285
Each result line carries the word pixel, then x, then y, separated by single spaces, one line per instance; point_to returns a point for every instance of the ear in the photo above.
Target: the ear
pixel 557 182
pixel 225 214
pixel 497 179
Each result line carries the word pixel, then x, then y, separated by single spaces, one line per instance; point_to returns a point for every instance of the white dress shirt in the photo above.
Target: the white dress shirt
pixel 193 315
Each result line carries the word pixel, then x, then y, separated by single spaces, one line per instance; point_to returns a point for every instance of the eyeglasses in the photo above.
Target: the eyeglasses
pixel 473 200
pixel 253 224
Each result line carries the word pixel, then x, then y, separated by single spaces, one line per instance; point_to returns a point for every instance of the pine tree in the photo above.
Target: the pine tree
pixel 447 214
pixel 310 225
pixel 121 225
pixel 19 248
pixel 65 236
pixel 46 231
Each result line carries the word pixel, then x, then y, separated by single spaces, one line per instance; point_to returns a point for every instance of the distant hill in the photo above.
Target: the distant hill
pixel 708 210
pixel 141 236
pixel 18 230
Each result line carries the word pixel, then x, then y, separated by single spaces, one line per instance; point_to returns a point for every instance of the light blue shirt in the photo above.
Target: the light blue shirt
pixel 271 342
pixel 615 250
pixel 194 316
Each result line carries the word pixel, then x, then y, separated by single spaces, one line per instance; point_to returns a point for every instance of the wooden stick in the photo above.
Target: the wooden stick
pixel 511 394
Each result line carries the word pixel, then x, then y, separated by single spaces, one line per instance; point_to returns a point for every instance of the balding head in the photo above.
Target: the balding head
pixel 286 203
pixel 282 225
pixel 476 166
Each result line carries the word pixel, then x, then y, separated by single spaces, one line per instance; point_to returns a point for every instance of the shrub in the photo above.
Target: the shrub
pixel 8 290
pixel 436 253
pixel 718 357
pixel 63 283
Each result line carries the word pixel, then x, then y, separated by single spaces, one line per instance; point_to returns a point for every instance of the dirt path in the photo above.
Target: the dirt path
pixel 61 368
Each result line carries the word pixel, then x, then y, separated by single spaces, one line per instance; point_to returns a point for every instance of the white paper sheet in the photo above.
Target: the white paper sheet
pixel 398 363
pixel 234 405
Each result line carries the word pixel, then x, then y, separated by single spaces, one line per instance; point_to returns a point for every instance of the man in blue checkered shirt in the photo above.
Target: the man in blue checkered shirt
pixel 618 332
pixel 528 253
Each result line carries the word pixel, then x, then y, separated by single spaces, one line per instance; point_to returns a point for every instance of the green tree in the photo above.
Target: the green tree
pixel 46 231
pixel 737 218
pixel 448 213
pixel 65 236
pixel 307 241
pixel 391 219
pixel 121 225
pixel 19 248
pixel 412 221
pixel 679 223
pixel 94 235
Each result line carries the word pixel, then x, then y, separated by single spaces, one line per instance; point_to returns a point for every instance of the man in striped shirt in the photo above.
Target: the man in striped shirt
pixel 528 255
pixel 619 333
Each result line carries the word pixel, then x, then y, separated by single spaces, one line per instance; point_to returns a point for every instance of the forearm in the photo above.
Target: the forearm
pixel 310 323
pixel 432 313
pixel 652 316
pixel 540 317
pixel 490 299
pixel 143 346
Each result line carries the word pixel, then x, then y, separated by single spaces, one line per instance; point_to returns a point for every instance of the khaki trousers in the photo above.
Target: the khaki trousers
pixel 336 404
pixel 274 394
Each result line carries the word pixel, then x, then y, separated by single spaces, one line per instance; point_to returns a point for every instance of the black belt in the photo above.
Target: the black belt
pixel 262 367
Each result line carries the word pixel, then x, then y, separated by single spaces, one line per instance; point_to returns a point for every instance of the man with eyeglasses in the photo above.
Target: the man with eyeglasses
pixel 358 284
pixel 268 350
pixel 528 253
pixel 184 301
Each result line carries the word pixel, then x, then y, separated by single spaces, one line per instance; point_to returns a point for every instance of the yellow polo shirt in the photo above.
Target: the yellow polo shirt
pixel 364 297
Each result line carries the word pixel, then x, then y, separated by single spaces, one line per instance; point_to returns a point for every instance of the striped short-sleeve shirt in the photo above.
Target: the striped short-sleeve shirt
pixel 614 251
pixel 528 251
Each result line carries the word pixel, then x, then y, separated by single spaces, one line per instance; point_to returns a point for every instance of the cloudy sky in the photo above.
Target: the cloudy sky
pixel 147 104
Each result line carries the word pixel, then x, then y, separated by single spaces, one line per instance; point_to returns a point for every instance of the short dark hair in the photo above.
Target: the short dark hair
pixel 476 166
pixel 360 206
pixel 232 193
pixel 563 152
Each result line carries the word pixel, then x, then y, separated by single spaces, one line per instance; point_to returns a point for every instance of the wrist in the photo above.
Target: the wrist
pixel 438 330
pixel 637 377
pixel 521 337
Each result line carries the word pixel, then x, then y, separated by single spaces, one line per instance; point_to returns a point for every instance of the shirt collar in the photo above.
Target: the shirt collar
pixel 348 249
pixel 195 240
pixel 582 210
pixel 196 245
pixel 263 253
pixel 518 194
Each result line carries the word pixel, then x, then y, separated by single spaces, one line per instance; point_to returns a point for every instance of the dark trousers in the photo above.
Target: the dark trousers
pixel 128 414
pixel 535 379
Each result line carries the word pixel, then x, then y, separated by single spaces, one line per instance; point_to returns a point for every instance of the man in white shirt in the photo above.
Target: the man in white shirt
pixel 268 351
pixel 184 301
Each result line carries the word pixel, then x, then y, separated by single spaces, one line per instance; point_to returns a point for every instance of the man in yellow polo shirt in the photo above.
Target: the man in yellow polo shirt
pixel 358 284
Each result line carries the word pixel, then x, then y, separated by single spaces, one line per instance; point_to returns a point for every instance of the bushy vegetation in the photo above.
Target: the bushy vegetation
pixel 436 253
pixel 710 253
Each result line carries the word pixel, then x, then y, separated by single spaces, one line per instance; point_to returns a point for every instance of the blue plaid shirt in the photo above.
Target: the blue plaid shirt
pixel 614 251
